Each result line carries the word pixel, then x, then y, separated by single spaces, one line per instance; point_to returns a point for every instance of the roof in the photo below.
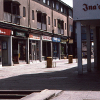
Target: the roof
pixel 65 4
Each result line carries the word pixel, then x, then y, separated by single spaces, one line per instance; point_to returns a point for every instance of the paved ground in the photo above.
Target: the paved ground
pixel 62 77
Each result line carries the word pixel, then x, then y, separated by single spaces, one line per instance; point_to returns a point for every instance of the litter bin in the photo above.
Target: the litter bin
pixel 49 62
pixel 70 58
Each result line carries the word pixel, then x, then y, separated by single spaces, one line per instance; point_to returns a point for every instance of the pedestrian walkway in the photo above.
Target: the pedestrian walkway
pixel 62 77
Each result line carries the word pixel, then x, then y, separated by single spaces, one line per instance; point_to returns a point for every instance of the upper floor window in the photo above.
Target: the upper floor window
pixel 57 6
pixel 55 22
pixel 53 4
pixel 48 20
pixel 65 26
pixel 48 2
pixel 24 12
pixel 65 11
pixel 44 1
pixel 32 14
pixel 71 28
pixel 62 9
pixel 70 13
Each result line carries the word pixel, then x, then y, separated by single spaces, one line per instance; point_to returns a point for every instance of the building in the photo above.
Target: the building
pixel 33 30
pixel 86 13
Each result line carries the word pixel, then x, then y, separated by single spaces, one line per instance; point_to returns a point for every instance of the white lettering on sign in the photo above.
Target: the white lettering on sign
pixel 91 7
pixel 55 39
pixel 1 32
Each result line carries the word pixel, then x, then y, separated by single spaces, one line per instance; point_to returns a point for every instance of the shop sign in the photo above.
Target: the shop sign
pixel 47 38
pixel 20 34
pixel 54 39
pixel 33 37
pixel 86 9
pixel 5 31
pixel 71 41
pixel 63 40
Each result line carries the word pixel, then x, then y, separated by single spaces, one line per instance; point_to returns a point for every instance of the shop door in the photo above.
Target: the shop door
pixel 0 53
pixel 34 52
pixel 22 52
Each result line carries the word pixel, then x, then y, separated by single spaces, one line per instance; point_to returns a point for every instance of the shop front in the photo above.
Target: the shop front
pixel 5 47
pixel 46 47
pixel 34 47
pixel 56 47
pixel 63 49
pixel 19 46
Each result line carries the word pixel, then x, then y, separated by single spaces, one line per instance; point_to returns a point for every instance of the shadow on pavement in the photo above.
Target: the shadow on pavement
pixel 60 80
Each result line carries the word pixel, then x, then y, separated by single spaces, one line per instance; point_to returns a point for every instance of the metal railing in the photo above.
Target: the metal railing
pixel 43 26
pixel 8 17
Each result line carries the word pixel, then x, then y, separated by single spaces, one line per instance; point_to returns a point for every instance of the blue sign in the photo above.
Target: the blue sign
pixel 54 39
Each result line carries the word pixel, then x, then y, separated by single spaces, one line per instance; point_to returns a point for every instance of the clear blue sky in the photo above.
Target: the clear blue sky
pixel 69 2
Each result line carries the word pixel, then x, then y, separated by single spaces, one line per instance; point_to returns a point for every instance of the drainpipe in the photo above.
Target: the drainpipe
pixel 29 25
pixel 67 29
pixel 52 30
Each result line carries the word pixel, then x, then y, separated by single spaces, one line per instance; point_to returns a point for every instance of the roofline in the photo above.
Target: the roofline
pixel 65 4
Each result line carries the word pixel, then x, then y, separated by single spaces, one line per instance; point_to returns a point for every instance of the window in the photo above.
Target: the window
pixel 32 14
pixel 39 17
pixel 65 11
pixel 70 13
pixel 48 2
pixel 71 28
pixel 24 12
pixel 44 1
pixel 53 4
pixel 65 26
pixel 61 8
pixel 57 6
pixel 55 22
pixel 48 20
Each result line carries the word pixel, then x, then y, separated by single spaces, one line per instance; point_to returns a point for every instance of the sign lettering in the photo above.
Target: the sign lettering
pixel 91 7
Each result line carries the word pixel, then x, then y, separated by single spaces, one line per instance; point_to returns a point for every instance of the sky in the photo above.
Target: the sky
pixel 69 2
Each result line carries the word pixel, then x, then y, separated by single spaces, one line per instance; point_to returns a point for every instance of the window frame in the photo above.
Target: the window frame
pixel 24 11
pixel 33 15
pixel 55 22
pixel 48 20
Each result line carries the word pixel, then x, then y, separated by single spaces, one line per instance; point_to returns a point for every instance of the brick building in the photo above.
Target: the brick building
pixel 33 30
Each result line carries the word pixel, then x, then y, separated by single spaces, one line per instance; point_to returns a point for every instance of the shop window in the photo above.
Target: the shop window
pixel 55 22
pixel 48 20
pixel 83 29
pixel 32 14
pixel 24 12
